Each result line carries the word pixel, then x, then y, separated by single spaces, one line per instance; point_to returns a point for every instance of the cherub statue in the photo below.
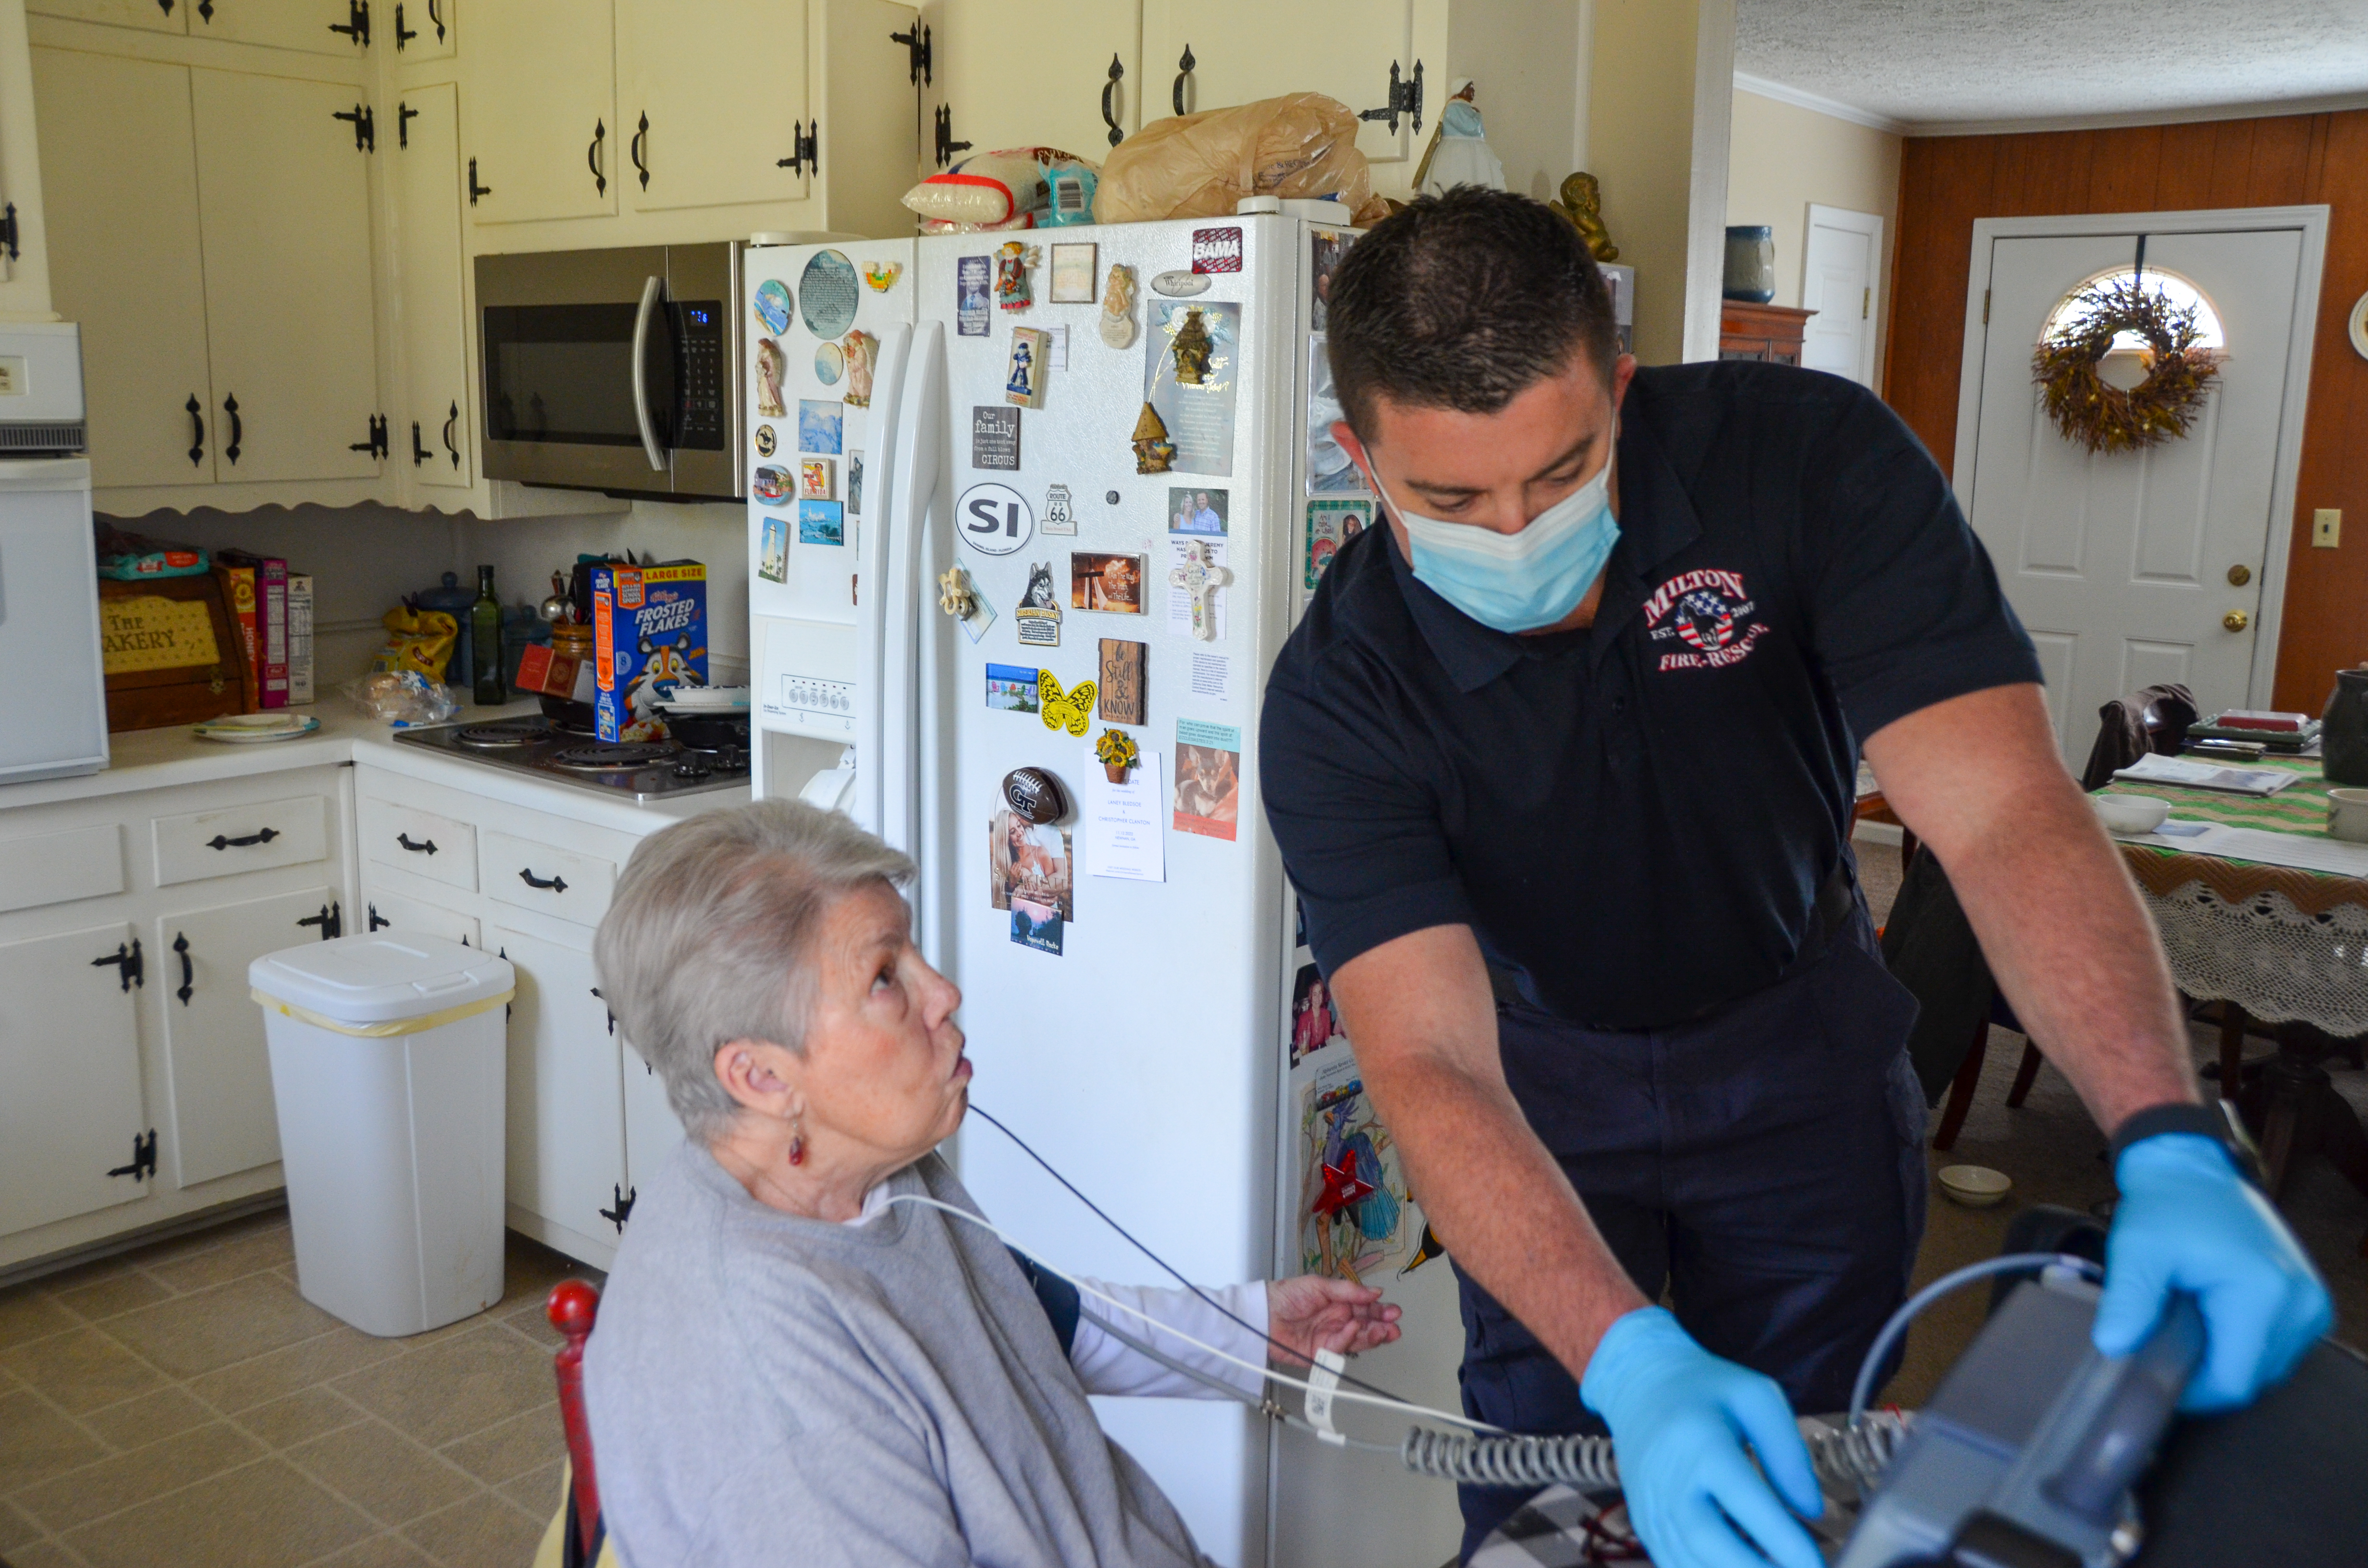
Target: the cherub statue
pixel 1582 203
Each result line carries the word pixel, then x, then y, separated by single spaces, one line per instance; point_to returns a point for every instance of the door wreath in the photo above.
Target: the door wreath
pixel 2091 410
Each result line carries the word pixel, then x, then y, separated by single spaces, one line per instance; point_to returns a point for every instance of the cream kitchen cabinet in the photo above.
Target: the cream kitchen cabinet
pixel 139 1081
pixel 432 438
pixel 422 30
pixel 566 1148
pixel 697 136
pixel 211 231
pixel 314 27
pixel 1002 76
pixel 542 139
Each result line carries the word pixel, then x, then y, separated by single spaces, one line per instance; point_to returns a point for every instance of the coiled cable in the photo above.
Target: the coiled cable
pixel 1851 1457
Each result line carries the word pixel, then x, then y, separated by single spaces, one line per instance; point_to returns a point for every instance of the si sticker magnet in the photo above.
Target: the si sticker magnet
pixel 993 520
pixel 1216 250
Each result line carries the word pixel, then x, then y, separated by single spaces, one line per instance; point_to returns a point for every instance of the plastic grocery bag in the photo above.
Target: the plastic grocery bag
pixel 1199 166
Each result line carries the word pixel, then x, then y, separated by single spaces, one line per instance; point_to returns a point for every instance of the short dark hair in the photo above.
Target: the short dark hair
pixel 1461 301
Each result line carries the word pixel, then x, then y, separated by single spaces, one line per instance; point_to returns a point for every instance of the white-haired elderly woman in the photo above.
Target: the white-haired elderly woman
pixel 789 1367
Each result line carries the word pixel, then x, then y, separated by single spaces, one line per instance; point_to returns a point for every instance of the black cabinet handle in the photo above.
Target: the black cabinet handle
pixel 556 885
pixel 450 420
pixel 624 1209
pixel 916 44
pixel 425 846
pixel 238 429
pixel 264 836
pixel 1183 68
pixel 143 1150
pixel 330 920
pixel 357 25
pixel 402 35
pixel 592 158
pixel 365 121
pixel 476 190
pixel 403 113
pixel 198 440
pixel 166 7
pixel 641 144
pixel 377 921
pixel 9 229
pixel 126 961
pixel 604 1002
pixel 419 454
pixel 436 16
pixel 206 9
pixel 1110 110
pixel 181 946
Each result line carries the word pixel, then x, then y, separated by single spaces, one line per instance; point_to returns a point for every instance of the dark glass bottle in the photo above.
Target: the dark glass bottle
pixel 485 643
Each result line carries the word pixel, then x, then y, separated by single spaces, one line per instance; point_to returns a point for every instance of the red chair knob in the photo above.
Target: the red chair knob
pixel 571 1306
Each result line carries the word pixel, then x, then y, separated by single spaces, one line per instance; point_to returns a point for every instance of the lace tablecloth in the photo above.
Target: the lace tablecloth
pixel 2280 942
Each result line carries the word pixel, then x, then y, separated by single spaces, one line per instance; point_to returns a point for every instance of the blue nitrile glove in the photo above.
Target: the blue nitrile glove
pixel 1678 1417
pixel 2189 1222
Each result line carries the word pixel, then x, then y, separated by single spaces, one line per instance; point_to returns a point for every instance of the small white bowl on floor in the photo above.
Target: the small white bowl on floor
pixel 1976 1187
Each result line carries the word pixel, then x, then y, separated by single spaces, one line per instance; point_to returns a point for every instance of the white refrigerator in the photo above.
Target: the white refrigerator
pixel 1138 1003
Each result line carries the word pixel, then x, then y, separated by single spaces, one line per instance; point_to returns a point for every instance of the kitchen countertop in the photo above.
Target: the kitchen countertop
pixel 168 759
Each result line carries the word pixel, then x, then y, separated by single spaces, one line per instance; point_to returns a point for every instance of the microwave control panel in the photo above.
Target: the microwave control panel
pixel 700 424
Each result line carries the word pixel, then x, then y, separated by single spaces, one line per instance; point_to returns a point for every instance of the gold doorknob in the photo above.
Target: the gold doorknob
pixel 2235 620
pixel 2240 574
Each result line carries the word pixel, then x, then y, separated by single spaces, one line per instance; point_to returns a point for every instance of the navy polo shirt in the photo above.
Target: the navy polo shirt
pixel 1635 818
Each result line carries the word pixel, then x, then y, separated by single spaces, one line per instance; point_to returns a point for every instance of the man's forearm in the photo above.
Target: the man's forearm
pixel 1501 1204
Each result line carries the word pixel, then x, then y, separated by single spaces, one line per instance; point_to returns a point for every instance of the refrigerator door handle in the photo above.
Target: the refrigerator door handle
pixel 884 482
pixel 650 292
pixel 920 454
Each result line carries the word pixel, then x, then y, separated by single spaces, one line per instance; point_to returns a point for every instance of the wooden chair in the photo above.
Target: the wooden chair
pixel 1961 1089
pixel 577 1537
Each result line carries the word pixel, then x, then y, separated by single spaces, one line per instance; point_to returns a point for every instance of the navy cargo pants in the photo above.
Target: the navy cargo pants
pixel 1765 1164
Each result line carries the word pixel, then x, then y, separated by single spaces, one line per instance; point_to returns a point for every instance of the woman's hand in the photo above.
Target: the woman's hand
pixel 1314 1313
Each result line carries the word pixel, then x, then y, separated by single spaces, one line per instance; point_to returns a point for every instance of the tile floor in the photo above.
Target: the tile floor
pixel 182 1405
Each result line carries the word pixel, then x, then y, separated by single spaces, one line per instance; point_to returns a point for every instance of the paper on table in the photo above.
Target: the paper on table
pixel 1123 834
pixel 2153 769
pixel 2302 851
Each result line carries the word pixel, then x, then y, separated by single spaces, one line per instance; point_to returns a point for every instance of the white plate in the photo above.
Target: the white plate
pixel 247 729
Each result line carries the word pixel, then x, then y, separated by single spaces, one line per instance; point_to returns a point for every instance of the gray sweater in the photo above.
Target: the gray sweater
pixel 769 1389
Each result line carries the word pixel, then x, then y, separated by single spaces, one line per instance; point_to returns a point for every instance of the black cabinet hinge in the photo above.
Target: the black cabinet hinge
pixel 357 24
pixel 624 1209
pixel 476 191
pixel 945 145
pixel 419 454
pixel 365 123
pixel 803 149
pixel 377 444
pixel 9 229
pixel 331 920
pixel 129 968
pixel 143 1158
pixel 403 113
pixel 1406 98
pixel 916 45
pixel 404 35
pixel 378 921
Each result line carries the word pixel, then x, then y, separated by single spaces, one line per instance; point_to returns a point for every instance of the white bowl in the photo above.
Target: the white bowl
pixel 2130 813
pixel 1976 1187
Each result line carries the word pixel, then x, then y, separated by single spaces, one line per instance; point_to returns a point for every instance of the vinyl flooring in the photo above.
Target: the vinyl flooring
pixel 183 1404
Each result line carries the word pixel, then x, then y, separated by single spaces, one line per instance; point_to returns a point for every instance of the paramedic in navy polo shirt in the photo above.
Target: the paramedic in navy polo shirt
pixel 1562 766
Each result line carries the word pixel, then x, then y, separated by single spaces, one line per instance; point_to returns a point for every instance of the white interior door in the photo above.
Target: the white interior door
pixel 1839 273
pixel 70 1052
pixel 2130 569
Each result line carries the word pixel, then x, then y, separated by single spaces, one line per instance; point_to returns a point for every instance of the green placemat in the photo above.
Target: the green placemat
pixel 2300 807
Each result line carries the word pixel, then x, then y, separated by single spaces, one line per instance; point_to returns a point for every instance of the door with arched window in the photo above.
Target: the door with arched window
pixel 2162 564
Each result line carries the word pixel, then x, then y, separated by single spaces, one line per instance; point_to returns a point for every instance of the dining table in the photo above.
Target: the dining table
pixel 2265 912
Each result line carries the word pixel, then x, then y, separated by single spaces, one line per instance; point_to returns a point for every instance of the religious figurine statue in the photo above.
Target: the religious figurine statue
pixel 862 353
pixel 1011 262
pixel 1152 450
pixel 1582 203
pixel 1117 306
pixel 1192 347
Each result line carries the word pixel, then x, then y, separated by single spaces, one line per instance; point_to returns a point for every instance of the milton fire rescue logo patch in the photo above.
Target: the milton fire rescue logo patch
pixel 1708 610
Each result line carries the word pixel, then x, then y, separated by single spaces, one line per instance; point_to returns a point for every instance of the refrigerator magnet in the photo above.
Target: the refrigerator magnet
pixel 972 274
pixel 772 368
pixel 854 484
pixel 1012 260
pixel 1109 583
pixel 1071 710
pixel 1180 284
pixel 994 519
pixel 1011 688
pixel 1192 346
pixel 830 363
pixel 1201 510
pixel 1152 450
pixel 827 295
pixel 822 522
pixel 1117 752
pixel 1030 874
pixel 773 550
pixel 816 480
pixel 1118 307
pixel 822 423
pixel 769 483
pixel 766 440
pixel 1197 576
pixel 1332 521
pixel 995 438
pixel 1073 273
pixel 960 597
pixel 1023 379
pixel 1122 666
pixel 881 276
pixel 1039 615
pixel 1034 793
pixel 1208 778
pixel 1216 250
pixel 773 301
pixel 1058 517
pixel 862 351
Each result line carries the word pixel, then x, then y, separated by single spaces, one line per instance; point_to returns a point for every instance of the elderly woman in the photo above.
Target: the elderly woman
pixel 790 1366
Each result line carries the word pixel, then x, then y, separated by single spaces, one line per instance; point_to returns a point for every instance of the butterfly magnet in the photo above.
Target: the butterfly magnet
pixel 1071 710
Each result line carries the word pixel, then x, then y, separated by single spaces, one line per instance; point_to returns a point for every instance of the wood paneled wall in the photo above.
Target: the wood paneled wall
pixel 1946 182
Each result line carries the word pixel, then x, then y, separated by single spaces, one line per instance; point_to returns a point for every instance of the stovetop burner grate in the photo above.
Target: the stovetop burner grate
pixel 611 756
pixel 503 732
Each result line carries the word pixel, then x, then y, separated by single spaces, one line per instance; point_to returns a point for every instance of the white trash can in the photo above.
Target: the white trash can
pixel 387 1064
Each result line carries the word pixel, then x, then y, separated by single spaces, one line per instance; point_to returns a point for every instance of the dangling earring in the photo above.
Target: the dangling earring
pixel 797 1143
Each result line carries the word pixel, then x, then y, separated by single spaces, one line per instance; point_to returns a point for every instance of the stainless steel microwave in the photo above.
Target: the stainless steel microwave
pixel 614 369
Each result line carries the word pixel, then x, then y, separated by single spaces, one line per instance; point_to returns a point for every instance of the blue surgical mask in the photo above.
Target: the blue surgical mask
pixel 1523 581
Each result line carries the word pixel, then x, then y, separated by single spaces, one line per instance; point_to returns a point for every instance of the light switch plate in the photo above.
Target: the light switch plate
pixel 2327 528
